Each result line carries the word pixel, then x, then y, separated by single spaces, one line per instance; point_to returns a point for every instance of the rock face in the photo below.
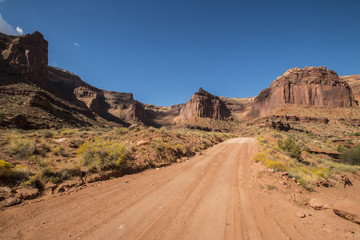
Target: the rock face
pixel 24 71
pixel 311 86
pixel 25 56
pixel 112 106
pixel 205 105
pixel 354 83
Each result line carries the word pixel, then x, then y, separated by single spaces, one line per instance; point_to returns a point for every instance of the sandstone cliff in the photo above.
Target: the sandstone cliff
pixel 24 71
pixel 311 86
pixel 24 56
pixel 354 83
pixel 112 106
pixel 204 105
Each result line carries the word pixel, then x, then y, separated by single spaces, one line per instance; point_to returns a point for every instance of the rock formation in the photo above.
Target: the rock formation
pixel 354 83
pixel 311 86
pixel 24 56
pixel 112 106
pixel 205 105
pixel 24 60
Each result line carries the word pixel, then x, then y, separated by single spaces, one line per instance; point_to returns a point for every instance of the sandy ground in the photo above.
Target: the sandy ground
pixel 217 195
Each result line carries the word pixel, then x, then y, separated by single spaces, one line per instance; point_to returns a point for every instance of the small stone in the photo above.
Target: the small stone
pixel 11 202
pixel 300 214
pixel 317 204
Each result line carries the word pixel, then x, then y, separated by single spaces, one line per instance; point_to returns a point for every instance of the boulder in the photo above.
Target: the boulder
pixel 26 193
pixel 318 204
pixel 49 187
pixel 11 202
pixel 348 209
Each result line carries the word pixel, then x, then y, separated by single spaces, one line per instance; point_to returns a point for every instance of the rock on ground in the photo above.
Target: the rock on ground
pixel 348 209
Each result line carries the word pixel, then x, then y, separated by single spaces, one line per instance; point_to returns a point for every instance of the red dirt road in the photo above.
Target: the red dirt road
pixel 212 196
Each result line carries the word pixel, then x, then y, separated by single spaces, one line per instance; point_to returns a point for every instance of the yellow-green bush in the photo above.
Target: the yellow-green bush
pixel 121 130
pixel 12 175
pixel 261 157
pixel 100 154
pixel 21 147
pixel 5 169
pixel 180 149
pixel 278 166
pixel 68 132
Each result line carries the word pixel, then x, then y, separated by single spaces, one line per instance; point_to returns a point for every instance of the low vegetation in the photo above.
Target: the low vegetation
pixel 290 152
pixel 33 158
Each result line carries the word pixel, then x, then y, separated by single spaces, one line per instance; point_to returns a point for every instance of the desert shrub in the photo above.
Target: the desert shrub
pixel 351 156
pixel 163 129
pixel 121 130
pixel 151 129
pixel 12 175
pixel 21 147
pixel 261 157
pixel 278 166
pixel 160 145
pixel 48 133
pixel 5 169
pixel 290 147
pixel 181 149
pixel 357 134
pixel 321 172
pixel 68 132
pixel 58 150
pixel 277 135
pixel 340 148
pixel 270 187
pixel 338 168
pixel 76 143
pixel 101 155
pixel 33 181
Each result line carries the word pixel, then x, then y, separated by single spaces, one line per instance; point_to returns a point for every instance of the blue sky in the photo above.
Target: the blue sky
pixel 163 51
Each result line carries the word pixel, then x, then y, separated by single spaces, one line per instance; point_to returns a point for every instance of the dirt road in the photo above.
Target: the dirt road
pixel 212 196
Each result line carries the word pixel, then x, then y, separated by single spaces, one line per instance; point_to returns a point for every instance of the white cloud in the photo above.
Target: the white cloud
pixel 19 30
pixel 1 1
pixel 76 44
pixel 8 29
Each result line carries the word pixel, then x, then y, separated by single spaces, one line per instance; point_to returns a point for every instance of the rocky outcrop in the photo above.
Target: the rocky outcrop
pixel 24 71
pixel 24 56
pixel 112 106
pixel 354 83
pixel 204 105
pixel 311 86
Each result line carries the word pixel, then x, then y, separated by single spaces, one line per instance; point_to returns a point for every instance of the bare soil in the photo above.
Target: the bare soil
pixel 217 195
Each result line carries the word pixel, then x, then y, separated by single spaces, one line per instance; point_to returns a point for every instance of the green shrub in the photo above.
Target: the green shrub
pixel 290 147
pixel 21 147
pixel 102 155
pixel 351 156
pixel 340 148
